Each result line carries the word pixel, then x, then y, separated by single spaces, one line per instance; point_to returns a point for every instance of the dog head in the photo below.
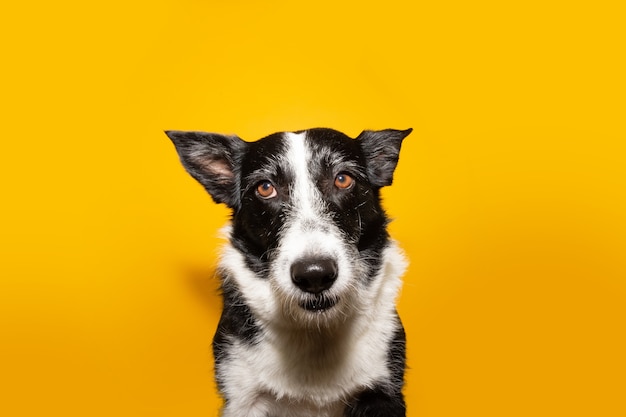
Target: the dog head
pixel 308 233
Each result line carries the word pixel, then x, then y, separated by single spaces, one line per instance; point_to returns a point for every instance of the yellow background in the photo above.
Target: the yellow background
pixel 509 198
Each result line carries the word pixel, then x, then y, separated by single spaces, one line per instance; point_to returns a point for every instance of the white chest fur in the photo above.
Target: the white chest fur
pixel 307 374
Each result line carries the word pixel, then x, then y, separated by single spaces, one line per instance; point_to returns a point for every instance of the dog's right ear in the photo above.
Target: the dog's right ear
pixel 211 159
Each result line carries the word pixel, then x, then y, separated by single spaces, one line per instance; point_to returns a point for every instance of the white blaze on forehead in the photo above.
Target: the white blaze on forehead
pixel 305 198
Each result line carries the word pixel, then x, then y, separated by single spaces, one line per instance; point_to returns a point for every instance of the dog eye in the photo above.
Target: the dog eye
pixel 343 181
pixel 266 190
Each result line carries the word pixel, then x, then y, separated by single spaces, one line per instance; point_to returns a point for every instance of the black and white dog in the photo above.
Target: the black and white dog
pixel 309 275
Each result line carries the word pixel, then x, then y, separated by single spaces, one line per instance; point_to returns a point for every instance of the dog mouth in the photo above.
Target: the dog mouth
pixel 319 303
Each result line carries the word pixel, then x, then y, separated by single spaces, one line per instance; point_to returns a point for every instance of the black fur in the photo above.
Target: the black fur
pixel 236 321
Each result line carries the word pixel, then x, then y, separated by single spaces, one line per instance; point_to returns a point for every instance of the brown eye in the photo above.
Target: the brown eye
pixel 343 181
pixel 266 190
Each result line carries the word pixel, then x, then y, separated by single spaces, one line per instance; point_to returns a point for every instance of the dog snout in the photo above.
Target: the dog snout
pixel 314 275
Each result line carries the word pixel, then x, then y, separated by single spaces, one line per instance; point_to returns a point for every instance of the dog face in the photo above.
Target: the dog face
pixel 308 231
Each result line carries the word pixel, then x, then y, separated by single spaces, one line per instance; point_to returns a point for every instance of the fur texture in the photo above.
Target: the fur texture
pixel 309 273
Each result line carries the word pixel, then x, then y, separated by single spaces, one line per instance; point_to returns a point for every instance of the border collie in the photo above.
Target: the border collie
pixel 309 275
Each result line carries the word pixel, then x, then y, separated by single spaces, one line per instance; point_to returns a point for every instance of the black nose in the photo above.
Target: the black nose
pixel 314 275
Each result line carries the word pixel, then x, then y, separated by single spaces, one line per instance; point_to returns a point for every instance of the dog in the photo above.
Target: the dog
pixel 309 275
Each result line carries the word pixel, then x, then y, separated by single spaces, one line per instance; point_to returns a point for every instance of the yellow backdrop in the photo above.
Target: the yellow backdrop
pixel 509 198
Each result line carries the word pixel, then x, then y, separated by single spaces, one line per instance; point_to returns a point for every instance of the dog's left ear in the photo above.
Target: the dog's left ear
pixel 382 150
